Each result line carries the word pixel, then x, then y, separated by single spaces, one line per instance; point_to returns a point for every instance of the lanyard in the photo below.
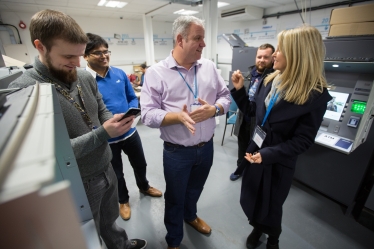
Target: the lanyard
pixel 64 93
pixel 271 104
pixel 195 83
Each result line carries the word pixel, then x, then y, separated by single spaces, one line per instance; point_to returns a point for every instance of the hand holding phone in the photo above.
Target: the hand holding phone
pixel 131 112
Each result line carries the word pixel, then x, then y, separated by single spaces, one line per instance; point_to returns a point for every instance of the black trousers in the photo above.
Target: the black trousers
pixel 271 231
pixel 133 148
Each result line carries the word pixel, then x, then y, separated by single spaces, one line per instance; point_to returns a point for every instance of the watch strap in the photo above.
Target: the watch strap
pixel 217 111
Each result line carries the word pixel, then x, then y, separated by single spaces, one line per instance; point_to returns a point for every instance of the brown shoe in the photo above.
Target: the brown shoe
pixel 173 247
pixel 200 226
pixel 125 211
pixel 154 192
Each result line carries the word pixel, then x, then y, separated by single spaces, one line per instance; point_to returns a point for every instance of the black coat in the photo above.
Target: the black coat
pixel 291 130
pixel 247 85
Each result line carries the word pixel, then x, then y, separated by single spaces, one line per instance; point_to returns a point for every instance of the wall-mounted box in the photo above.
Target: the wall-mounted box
pixel 364 28
pixel 361 13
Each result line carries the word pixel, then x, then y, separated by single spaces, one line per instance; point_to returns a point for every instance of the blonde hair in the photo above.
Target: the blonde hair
pixel 304 52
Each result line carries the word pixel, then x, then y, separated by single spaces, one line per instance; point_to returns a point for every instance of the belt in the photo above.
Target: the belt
pixel 196 145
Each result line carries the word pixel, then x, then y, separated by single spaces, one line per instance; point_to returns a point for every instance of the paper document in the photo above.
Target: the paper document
pixel 136 120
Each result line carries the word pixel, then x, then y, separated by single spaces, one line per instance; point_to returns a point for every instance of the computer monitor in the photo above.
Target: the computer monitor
pixel 336 106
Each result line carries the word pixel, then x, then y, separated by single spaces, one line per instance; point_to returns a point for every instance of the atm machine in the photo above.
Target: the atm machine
pixel 342 156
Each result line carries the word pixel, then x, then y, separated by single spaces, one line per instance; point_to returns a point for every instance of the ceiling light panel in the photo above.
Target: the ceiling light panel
pixel 112 4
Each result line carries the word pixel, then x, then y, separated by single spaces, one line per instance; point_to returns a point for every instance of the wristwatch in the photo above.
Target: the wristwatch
pixel 217 111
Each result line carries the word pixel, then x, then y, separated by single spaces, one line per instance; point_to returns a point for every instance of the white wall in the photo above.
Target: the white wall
pixel 257 32
pixel 124 55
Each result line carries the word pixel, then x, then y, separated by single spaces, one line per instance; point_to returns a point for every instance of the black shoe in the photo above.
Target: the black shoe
pixel 269 246
pixel 234 177
pixel 253 239
pixel 138 243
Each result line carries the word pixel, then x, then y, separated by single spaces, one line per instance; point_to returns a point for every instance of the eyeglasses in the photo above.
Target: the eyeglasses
pixel 100 53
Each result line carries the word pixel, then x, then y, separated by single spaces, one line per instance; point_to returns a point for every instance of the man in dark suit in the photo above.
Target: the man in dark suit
pixel 244 125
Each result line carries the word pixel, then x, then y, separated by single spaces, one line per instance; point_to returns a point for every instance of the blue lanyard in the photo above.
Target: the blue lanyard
pixel 195 80
pixel 271 104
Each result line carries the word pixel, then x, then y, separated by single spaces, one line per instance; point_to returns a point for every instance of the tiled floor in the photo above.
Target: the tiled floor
pixel 310 220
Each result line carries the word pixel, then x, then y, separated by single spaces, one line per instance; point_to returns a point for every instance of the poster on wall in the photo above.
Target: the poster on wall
pixel 126 49
pixel 162 41
pixel 322 24
pixel 123 39
pixel 109 40
pixel 122 42
pixel 163 44
pixel 323 27
pixel 266 32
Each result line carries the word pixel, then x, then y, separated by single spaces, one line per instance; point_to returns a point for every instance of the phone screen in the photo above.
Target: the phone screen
pixel 131 112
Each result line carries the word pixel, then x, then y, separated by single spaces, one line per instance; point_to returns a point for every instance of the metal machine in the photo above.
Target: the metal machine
pixel 341 158
pixel 40 183
pixel 349 70
pixel 242 56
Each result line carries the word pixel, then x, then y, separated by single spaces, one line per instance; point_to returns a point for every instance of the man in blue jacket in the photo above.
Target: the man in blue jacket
pixel 118 97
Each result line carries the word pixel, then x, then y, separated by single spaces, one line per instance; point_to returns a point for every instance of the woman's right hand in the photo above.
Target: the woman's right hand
pixel 237 79
pixel 253 158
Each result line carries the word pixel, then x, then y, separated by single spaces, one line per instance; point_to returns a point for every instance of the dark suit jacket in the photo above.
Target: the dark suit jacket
pixel 247 85
pixel 291 130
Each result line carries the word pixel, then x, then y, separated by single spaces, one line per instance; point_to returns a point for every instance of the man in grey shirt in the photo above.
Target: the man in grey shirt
pixel 60 43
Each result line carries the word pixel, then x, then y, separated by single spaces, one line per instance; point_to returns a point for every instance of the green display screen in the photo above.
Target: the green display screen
pixel 358 107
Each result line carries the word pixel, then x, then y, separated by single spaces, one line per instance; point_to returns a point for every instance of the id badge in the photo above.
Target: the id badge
pixel 195 106
pixel 259 136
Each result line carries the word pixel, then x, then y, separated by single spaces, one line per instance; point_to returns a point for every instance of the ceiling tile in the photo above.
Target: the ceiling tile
pixel 18 1
pixel 136 8
pixel 60 3
pixel 21 7
pixel 80 5
pixel 76 12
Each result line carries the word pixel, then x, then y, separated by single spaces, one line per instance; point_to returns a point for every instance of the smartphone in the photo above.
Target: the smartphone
pixel 131 112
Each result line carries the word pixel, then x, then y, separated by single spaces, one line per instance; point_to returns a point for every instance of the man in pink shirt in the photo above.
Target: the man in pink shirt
pixel 181 96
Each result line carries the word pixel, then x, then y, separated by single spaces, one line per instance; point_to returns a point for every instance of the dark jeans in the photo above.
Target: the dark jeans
pixel 186 170
pixel 133 148
pixel 101 193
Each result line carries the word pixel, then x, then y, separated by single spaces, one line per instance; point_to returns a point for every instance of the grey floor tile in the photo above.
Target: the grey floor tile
pixel 310 220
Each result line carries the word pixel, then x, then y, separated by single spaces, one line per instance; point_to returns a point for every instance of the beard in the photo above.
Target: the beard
pixel 261 68
pixel 67 77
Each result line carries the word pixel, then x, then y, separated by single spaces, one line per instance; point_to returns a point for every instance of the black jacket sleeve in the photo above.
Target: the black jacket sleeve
pixel 248 108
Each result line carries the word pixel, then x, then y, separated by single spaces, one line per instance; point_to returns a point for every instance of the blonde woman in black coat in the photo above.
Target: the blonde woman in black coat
pixel 289 107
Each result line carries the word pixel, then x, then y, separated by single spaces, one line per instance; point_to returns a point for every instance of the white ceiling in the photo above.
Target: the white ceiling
pixel 160 10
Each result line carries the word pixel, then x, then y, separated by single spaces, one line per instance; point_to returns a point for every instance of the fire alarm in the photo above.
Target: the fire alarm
pixel 22 25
